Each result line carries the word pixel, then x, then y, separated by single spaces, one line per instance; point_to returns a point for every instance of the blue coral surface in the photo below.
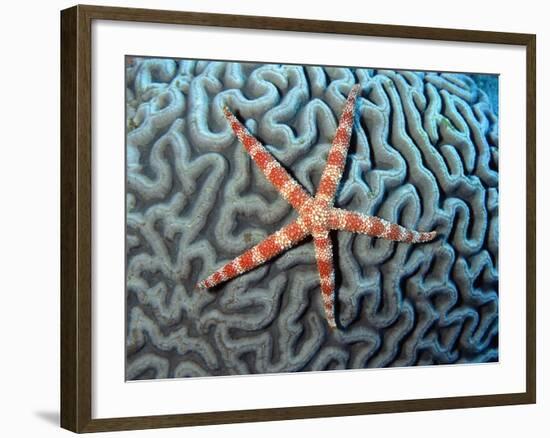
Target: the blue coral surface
pixel 424 154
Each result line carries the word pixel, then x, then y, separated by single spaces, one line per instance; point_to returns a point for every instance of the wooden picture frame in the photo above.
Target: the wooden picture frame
pixel 76 217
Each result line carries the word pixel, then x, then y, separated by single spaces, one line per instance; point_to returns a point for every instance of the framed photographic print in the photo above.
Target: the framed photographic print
pixel 305 218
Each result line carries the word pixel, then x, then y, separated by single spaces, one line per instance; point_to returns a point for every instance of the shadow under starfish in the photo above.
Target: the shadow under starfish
pixel 317 215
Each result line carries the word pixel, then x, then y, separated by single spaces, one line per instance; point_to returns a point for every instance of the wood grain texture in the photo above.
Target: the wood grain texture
pixel 76 223
pixel 531 218
pixel 68 347
pixel 76 252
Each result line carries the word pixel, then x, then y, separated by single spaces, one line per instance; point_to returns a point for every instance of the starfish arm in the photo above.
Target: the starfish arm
pixel 325 265
pixel 287 186
pixel 336 159
pixel 375 226
pixel 268 248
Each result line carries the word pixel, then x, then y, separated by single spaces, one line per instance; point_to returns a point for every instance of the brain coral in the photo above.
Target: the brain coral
pixel 424 153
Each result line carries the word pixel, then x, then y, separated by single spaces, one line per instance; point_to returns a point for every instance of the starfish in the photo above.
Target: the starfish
pixel 317 215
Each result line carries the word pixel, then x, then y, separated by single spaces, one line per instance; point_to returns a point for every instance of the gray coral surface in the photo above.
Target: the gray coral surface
pixel 424 154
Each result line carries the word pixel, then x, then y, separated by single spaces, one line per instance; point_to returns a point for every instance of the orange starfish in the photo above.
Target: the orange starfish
pixel 316 215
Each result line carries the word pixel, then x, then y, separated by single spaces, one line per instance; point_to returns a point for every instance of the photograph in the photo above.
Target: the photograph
pixel 285 218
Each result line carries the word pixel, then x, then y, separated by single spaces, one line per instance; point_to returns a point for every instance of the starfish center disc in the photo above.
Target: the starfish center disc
pixel 315 216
